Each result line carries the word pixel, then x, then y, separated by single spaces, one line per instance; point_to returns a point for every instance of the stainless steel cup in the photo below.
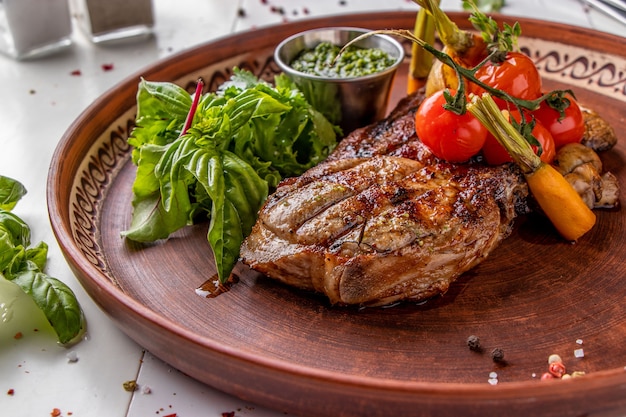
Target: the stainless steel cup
pixel 349 102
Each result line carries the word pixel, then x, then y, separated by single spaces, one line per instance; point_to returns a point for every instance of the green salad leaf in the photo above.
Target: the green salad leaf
pixel 242 141
pixel 23 265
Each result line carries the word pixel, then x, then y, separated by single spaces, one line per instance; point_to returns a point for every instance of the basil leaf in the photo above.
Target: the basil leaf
pixel 161 112
pixel 162 99
pixel 24 265
pixel 55 299
pixel 8 251
pixel 17 230
pixel 38 255
pixel 11 191
pixel 237 194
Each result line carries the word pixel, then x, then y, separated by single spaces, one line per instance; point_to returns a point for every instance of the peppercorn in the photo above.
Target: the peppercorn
pixel 497 355
pixel 473 342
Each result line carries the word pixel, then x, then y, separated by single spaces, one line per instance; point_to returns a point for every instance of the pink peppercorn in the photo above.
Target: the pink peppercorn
pixel 557 369
pixel 547 375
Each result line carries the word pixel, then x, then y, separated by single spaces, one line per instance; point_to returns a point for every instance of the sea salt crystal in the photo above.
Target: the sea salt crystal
pixel 146 390
pixel 579 353
pixel 493 378
pixel 72 356
pixel 579 341
pixel 203 293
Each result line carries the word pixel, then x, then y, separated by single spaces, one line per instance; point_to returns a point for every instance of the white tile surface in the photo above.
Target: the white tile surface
pixel 165 390
pixel 40 100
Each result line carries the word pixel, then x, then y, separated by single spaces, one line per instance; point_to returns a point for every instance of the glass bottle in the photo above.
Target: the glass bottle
pixel 110 20
pixel 29 28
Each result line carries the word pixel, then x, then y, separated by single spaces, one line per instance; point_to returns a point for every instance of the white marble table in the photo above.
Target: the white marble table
pixel 40 99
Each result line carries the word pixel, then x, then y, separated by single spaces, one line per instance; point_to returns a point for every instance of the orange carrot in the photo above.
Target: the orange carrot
pixel 560 202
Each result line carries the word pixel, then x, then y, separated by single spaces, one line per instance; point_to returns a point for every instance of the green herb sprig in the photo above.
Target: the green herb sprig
pixel 23 265
pixel 499 41
pixel 457 103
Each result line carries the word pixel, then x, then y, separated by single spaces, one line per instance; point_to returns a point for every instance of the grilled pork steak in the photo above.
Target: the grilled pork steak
pixel 382 219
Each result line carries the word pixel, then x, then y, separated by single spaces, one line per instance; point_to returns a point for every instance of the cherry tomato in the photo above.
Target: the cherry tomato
pixel 517 75
pixel 570 129
pixel 495 154
pixel 449 136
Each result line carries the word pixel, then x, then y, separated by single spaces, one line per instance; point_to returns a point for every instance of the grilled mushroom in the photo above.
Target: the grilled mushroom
pixel 582 168
pixel 599 135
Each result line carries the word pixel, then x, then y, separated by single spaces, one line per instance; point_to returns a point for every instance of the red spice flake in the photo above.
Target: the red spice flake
pixel 107 67
pixel 228 414
pixel 18 336
pixel 263 1
pixel 76 73
pixel 305 11
pixel 171 415
pixel 11 391
pixel 55 412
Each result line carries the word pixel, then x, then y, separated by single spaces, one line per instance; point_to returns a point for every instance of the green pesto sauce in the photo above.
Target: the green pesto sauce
pixel 354 62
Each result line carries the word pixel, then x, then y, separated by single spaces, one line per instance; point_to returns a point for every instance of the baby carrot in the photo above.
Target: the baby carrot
pixel 560 202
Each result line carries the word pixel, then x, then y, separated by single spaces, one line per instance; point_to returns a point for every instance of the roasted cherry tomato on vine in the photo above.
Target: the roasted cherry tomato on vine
pixel 495 154
pixel 517 75
pixel 570 129
pixel 449 136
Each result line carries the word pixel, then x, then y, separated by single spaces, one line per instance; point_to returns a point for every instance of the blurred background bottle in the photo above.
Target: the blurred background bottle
pixel 30 28
pixel 111 20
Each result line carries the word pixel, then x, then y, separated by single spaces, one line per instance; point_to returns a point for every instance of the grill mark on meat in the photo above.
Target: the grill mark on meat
pixel 382 219
pixel 320 197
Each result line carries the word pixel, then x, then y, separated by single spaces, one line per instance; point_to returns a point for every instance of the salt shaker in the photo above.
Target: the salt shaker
pixel 29 28
pixel 111 20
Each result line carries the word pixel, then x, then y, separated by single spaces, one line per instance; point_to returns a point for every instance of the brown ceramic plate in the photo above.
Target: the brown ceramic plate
pixel 291 351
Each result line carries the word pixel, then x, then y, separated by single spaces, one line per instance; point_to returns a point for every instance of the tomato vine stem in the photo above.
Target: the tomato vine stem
pixel 458 102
